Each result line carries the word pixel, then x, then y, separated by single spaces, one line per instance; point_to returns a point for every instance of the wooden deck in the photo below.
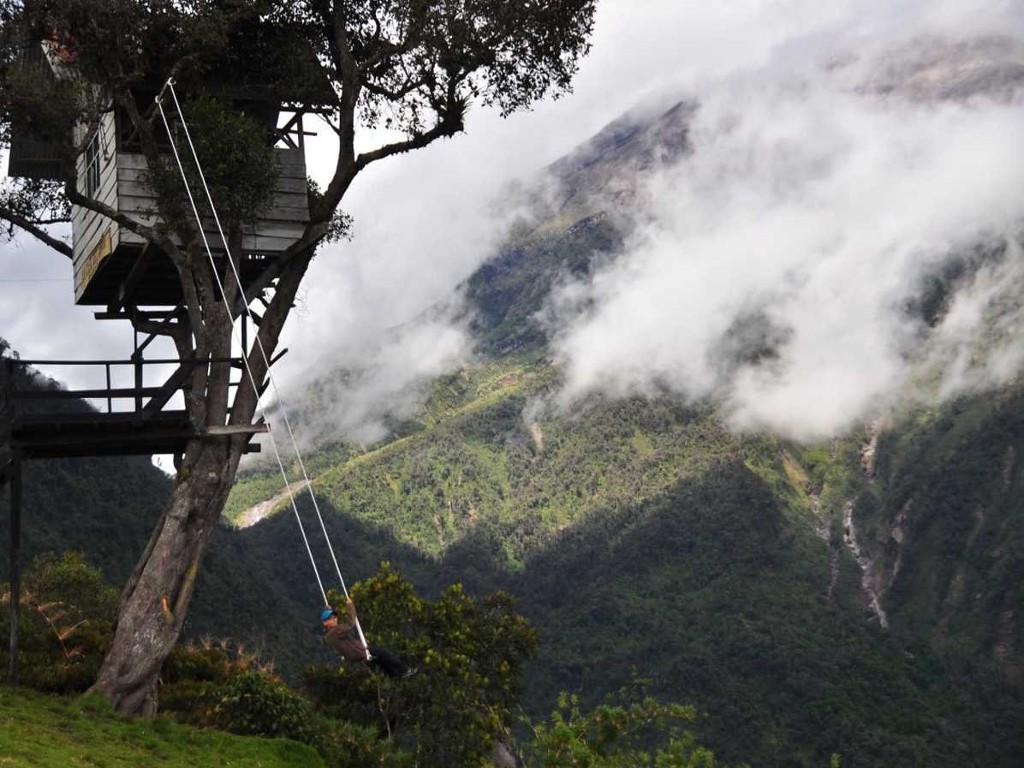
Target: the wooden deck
pixel 38 424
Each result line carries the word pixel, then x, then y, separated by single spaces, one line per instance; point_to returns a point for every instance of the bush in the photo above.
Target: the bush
pixel 617 734
pixel 65 623
pixel 470 654
pixel 257 705
pixel 220 686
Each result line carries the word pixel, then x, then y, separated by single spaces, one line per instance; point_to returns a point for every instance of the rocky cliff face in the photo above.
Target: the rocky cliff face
pixel 939 528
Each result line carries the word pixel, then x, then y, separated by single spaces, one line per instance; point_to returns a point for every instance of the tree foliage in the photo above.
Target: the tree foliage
pixel 66 614
pixel 469 654
pixel 621 732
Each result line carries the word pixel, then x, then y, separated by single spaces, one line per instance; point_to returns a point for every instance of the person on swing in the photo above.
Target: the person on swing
pixel 342 637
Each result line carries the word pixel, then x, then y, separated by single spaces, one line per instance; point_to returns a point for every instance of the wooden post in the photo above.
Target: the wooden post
pixel 137 360
pixel 15 567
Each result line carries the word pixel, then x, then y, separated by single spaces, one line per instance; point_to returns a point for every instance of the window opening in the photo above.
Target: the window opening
pixel 92 167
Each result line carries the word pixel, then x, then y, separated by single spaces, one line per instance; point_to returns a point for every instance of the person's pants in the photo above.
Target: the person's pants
pixel 386 661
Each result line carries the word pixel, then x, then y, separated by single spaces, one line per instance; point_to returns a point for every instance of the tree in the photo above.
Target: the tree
pixel 66 626
pixel 617 733
pixel 469 656
pixel 414 66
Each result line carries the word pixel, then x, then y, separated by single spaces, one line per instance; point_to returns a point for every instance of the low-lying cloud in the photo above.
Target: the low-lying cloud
pixel 783 253
pixel 363 403
pixel 780 265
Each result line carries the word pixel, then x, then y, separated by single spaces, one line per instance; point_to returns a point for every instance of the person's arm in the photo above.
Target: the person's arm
pixel 350 611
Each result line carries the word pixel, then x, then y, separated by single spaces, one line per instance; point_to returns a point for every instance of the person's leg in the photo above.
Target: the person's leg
pixel 386 661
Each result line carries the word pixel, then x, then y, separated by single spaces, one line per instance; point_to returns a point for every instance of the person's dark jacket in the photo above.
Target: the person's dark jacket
pixel 344 638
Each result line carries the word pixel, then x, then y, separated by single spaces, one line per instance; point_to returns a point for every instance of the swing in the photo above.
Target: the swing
pixel 169 87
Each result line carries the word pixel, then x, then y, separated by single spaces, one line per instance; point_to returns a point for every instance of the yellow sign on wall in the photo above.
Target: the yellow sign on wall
pixel 100 251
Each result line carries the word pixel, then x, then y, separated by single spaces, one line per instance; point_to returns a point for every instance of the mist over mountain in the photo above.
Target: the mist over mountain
pixel 733 407
pixel 741 414
pixel 809 244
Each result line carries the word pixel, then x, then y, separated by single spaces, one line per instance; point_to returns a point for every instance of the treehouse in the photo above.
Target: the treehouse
pixel 113 265
pixel 269 76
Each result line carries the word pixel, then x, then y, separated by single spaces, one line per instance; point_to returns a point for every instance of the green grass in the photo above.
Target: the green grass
pixel 38 730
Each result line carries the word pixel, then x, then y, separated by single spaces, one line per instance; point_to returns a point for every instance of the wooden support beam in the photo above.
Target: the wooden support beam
pixel 235 429
pixel 15 571
pixel 240 364
pixel 6 418
pixel 125 290
pixel 278 356
pixel 67 394
pixel 172 385
pixel 145 314
pixel 256 286
pixel 293 128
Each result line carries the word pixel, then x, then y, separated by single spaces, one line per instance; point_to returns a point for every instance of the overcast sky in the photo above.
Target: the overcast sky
pixel 425 221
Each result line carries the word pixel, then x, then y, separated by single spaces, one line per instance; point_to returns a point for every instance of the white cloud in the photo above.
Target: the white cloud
pixel 816 211
pixel 358 404
pixel 426 220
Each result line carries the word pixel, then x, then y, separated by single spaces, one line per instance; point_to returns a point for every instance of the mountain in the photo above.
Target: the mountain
pixel 859 596
pixel 645 539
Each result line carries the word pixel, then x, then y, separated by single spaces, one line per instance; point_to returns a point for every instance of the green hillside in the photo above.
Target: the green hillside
pixel 45 731
pixel 642 538
pixel 943 516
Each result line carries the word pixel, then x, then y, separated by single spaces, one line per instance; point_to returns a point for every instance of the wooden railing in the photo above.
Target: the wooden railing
pixel 41 422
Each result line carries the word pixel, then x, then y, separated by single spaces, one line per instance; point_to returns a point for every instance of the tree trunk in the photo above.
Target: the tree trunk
pixel 155 600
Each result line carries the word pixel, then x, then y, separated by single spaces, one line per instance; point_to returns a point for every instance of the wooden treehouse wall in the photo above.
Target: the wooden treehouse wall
pixel 278 228
pixel 123 186
pixel 94 235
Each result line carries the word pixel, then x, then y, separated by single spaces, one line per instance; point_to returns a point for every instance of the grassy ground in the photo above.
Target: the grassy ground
pixel 38 730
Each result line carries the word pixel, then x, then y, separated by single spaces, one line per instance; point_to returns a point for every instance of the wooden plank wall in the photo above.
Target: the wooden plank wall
pixel 87 227
pixel 281 226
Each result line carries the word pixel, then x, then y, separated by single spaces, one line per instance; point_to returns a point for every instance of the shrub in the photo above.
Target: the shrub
pixel 217 686
pixel 470 654
pixel 65 623
pixel 617 733
pixel 256 704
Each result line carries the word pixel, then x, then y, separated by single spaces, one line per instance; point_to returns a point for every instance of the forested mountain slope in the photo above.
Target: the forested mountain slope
pixel 645 539
pixel 860 596
pixel 857 596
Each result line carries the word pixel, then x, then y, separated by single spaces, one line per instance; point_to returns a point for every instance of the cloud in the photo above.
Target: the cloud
pixel 979 343
pixel 426 220
pixel 783 252
pixel 362 404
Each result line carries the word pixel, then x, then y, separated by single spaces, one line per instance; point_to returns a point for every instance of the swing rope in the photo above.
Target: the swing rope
pixel 169 86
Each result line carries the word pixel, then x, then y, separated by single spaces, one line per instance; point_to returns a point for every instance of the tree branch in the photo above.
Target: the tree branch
pixel 447 126
pixel 38 232
pixel 140 229
pixel 398 94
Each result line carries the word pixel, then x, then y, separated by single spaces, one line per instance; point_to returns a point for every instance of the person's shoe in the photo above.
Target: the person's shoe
pixel 409 672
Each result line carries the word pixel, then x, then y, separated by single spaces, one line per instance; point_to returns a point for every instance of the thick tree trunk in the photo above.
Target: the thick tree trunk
pixel 155 600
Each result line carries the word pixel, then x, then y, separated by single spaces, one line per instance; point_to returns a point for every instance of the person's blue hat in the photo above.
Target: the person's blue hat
pixel 326 613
